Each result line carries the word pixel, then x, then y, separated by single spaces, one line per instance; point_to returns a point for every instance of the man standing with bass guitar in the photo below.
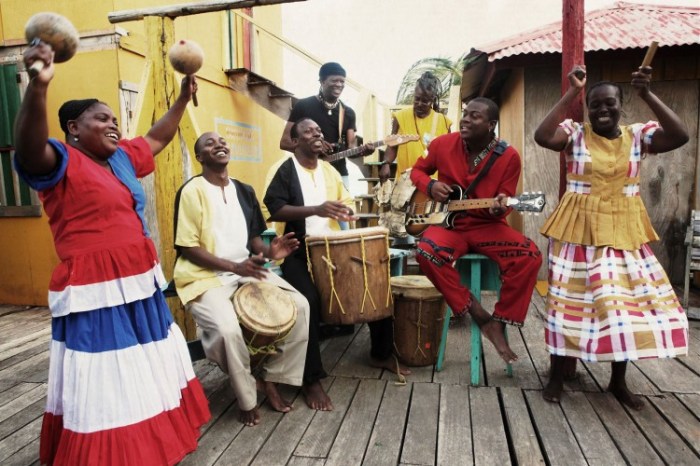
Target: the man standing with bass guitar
pixel 482 166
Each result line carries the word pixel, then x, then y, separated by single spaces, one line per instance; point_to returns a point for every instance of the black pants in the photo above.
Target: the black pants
pixel 295 271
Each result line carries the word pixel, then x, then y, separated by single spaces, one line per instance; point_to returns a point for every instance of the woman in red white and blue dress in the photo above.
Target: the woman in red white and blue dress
pixel 609 298
pixel 122 390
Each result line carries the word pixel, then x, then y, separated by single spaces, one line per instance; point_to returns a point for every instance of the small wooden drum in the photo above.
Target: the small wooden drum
pixel 419 312
pixel 266 313
pixel 351 271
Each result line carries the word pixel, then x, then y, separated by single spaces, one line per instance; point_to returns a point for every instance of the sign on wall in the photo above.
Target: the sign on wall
pixel 244 140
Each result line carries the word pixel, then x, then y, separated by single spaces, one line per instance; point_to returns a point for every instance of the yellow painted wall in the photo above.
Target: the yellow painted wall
pixel 26 247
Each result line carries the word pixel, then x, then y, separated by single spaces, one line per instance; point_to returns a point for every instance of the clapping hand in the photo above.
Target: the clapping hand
pixel 282 246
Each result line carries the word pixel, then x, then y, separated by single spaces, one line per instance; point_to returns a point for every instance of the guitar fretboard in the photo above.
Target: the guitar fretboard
pixel 466 204
pixel 350 152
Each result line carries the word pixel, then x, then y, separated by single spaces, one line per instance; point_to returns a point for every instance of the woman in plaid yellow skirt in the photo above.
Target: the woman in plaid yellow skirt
pixel 609 298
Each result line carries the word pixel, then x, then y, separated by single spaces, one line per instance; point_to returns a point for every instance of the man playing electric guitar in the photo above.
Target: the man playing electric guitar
pixel 461 158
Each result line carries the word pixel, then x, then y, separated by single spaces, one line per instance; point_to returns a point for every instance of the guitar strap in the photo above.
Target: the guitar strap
pixel 341 120
pixel 497 151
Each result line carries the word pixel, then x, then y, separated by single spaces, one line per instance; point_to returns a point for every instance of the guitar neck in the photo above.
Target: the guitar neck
pixel 350 152
pixel 467 204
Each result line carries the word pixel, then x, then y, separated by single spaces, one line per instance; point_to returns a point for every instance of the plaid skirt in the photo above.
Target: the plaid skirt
pixel 606 304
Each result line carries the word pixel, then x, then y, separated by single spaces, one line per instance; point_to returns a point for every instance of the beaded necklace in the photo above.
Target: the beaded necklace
pixel 328 106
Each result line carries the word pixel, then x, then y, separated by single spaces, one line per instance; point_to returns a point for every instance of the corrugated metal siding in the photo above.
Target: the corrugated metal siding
pixel 623 26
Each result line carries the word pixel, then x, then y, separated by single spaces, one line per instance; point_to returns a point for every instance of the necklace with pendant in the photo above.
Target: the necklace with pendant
pixel 328 106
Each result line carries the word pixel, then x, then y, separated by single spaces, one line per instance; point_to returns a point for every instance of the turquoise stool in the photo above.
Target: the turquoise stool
pixel 479 273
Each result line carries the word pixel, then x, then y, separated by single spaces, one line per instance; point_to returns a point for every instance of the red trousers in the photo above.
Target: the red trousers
pixel 517 257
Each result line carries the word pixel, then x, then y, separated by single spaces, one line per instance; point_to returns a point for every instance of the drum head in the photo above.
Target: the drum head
pixel 414 286
pixel 264 308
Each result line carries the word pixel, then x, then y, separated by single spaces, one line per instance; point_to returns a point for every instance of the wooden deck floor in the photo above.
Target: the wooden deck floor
pixel 437 418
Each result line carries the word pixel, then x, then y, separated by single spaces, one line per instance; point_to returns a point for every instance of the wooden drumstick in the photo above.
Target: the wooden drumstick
pixel 650 54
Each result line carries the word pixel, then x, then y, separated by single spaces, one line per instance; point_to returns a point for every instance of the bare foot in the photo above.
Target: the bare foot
pixel 273 396
pixel 316 397
pixel 552 392
pixel 390 364
pixel 493 331
pixel 250 418
pixel 626 397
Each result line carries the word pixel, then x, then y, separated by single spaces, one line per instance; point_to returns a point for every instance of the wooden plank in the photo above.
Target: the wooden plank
pixel 351 442
pixel 423 374
pixel 680 418
pixel 17 390
pixel 384 445
pixel 319 437
pixel 355 361
pixel 6 309
pixel 663 437
pixel 280 445
pixel 333 349
pixel 692 361
pixel 631 443
pixel 35 392
pixel 691 401
pixel 22 418
pixel 594 441
pixel 249 440
pixel 6 385
pixel 454 427
pixel 29 454
pixel 456 369
pixel 419 446
pixel 522 433
pixel 488 431
pixel 637 382
pixel 17 325
pixel 558 441
pixel 670 375
pixel 217 437
pixel 23 339
pixel 23 352
pixel 302 461
pixel 19 438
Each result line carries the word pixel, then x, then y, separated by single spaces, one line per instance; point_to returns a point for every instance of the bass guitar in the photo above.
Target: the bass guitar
pixel 423 211
pixel 391 141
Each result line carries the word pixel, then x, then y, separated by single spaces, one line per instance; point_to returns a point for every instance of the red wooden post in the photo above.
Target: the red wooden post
pixel 572 24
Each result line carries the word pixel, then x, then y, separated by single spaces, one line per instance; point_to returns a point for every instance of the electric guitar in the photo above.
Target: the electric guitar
pixel 391 141
pixel 423 211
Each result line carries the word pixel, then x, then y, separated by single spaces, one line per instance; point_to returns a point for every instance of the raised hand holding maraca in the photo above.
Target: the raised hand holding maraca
pixel 186 57
pixel 54 30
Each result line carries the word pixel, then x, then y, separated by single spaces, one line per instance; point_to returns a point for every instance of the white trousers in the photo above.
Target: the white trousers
pixel 223 341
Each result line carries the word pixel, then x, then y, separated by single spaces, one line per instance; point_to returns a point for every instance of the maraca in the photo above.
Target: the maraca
pixel 186 57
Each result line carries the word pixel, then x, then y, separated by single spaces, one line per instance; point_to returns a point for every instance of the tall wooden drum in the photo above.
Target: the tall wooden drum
pixel 351 270
pixel 266 313
pixel 419 311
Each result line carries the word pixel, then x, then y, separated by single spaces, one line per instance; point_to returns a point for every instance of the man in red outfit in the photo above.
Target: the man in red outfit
pixel 459 158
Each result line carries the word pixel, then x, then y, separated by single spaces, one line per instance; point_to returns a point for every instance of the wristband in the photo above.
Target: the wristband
pixel 430 187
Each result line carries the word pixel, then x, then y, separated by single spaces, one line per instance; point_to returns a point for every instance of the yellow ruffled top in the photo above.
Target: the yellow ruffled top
pixel 602 206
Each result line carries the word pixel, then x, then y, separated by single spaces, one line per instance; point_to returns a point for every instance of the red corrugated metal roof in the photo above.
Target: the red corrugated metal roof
pixel 622 26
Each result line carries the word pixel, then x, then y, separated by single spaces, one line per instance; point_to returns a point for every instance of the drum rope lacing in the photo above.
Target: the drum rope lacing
pixel 266 349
